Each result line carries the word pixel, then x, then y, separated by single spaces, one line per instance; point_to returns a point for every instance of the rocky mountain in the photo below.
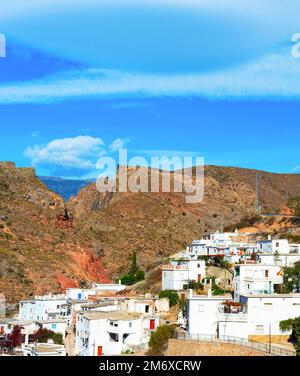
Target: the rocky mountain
pixel 156 225
pixel 47 245
pixel 39 248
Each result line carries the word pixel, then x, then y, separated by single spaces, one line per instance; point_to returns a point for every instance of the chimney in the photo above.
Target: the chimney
pixel 209 293
pixel 191 293
pixel 269 237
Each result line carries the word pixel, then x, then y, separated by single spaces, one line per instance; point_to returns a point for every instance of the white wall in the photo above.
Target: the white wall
pixel 270 310
pixel 256 279
pixel 41 309
pixel 202 314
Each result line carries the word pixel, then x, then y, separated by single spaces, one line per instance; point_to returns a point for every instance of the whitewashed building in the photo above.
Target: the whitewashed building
pixel 178 273
pixel 111 333
pixel 44 307
pixel 29 327
pixel 272 246
pixel 253 278
pixel 202 314
pixel 255 315
pixel 80 294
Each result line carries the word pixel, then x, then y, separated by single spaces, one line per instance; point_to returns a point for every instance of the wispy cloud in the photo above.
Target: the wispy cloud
pixel 272 76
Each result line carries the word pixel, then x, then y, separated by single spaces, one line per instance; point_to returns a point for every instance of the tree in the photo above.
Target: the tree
pixel 160 338
pixel 134 266
pixel 16 337
pixel 171 295
pixel 291 279
pixel 135 274
pixel 182 304
pixel 294 326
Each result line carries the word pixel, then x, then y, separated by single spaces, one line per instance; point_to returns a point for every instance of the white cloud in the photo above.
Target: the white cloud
pixel 119 143
pixel 276 75
pixel 78 152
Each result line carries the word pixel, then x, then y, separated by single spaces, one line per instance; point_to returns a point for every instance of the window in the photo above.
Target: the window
pixel 268 306
pixel 259 329
pixel 277 245
pixel 201 308
pixel 53 326
pixel 130 324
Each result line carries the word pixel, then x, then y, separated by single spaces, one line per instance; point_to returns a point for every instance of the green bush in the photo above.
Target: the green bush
pixel 135 274
pixel 294 203
pixel 171 295
pixel 160 338
pixel 294 325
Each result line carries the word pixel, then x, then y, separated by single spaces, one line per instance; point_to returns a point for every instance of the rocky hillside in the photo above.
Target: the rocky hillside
pixel 47 245
pixel 39 248
pixel 156 225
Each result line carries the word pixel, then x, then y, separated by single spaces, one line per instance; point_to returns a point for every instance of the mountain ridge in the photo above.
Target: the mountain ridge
pixel 47 244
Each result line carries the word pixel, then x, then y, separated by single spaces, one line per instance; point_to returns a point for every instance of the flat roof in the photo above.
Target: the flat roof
pixel 256 264
pixel 205 297
pixel 271 296
pixel 51 321
pixel 118 315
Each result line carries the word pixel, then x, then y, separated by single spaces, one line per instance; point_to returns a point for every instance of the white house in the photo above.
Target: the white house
pixel 255 315
pixel 79 294
pixel 202 314
pixel 253 278
pixel 55 325
pixel 273 246
pixel 178 273
pixel 260 315
pixel 217 239
pixel 111 333
pixel 29 327
pixel 266 311
pixel 44 307
pixel 284 260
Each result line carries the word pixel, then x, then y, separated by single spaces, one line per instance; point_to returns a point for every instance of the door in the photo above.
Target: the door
pixel 79 296
pixel 100 351
pixel 199 278
pixel 152 324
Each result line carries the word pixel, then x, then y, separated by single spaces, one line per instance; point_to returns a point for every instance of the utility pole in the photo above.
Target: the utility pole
pixel 257 188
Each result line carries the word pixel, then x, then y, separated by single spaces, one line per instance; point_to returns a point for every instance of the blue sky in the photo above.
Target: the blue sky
pixel 212 78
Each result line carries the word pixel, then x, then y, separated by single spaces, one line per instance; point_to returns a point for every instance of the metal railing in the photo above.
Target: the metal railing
pixel 258 346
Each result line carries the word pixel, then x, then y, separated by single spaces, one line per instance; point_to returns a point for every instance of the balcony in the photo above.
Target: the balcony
pixel 175 267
